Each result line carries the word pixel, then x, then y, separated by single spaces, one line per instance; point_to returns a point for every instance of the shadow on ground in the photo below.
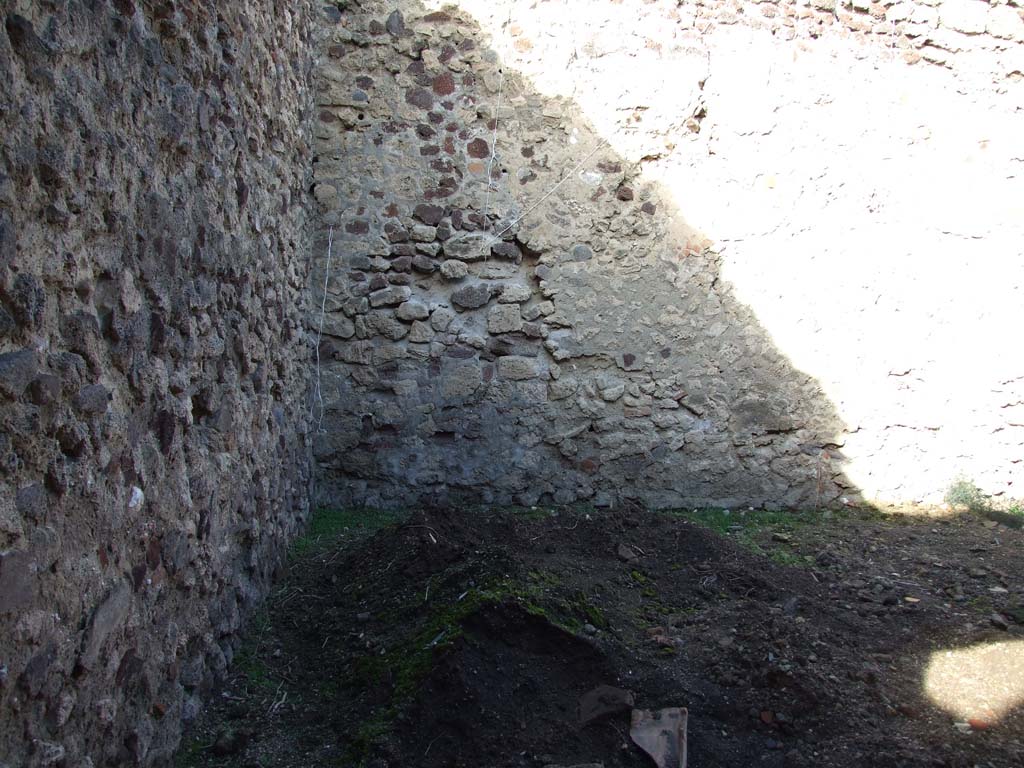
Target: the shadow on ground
pixel 467 638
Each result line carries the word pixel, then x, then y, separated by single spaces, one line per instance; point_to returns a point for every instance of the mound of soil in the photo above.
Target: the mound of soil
pixel 468 639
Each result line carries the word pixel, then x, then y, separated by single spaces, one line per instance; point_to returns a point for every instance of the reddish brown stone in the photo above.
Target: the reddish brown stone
pixel 429 214
pixel 358 227
pixel 430 150
pixel 478 148
pixel 624 193
pixel 391 210
pixel 444 84
pixel 460 352
pixel 395 232
pixel 649 208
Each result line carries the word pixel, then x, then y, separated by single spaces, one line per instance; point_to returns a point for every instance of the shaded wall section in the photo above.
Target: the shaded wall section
pixel 590 352
pixel 153 364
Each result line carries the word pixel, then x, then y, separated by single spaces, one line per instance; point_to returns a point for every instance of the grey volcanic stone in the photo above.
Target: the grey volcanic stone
pixel 453 269
pixel 390 296
pixel 17 369
pixel 413 310
pixel 92 399
pixel 472 296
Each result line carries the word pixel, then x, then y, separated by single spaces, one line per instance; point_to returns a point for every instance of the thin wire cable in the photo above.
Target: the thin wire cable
pixel 551 191
pixel 494 143
pixel 320 334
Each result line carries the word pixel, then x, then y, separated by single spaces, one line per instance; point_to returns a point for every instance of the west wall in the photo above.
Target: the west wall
pixel 154 455
pixel 686 253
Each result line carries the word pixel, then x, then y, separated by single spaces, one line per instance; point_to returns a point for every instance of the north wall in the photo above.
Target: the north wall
pixel 679 253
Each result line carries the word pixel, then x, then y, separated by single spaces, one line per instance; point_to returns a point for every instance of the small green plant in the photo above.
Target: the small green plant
pixel 328 525
pixel 256 672
pixel 745 522
pixel 749 528
pixel 963 492
pixel 638 577
pixel 782 557
pixel 190 753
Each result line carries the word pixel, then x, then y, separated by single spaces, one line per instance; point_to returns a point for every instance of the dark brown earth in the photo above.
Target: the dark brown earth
pixel 467 639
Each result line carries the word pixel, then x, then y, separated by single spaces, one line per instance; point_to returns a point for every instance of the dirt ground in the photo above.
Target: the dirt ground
pixel 467 638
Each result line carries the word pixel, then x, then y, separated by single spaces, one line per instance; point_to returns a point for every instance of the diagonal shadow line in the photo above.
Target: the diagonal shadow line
pixel 711 412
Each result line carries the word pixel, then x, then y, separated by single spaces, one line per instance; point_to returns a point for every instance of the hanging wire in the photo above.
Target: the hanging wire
pixel 494 143
pixel 551 191
pixel 319 335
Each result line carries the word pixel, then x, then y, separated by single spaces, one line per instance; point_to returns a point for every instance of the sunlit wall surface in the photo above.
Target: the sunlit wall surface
pixel 862 174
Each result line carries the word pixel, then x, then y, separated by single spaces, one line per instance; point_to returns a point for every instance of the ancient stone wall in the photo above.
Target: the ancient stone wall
pixel 153 360
pixel 688 253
